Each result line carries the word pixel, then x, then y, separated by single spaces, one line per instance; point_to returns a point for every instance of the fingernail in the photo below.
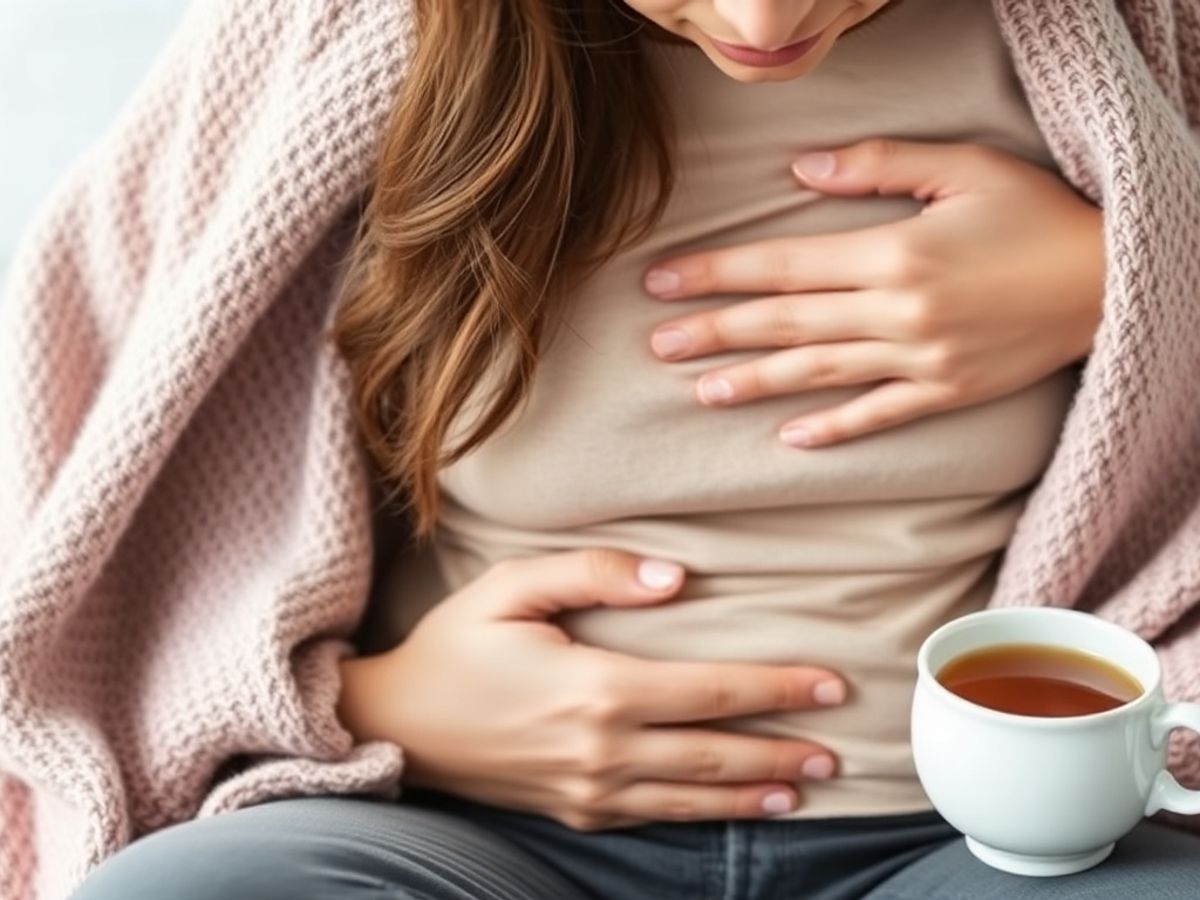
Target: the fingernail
pixel 777 802
pixel 662 281
pixel 819 766
pixel 829 693
pixel 670 342
pixel 658 574
pixel 797 436
pixel 716 390
pixel 815 165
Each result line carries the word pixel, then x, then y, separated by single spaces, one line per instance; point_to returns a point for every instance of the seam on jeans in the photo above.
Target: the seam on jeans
pixel 732 869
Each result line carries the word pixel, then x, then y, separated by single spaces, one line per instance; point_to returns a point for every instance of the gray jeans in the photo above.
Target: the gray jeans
pixel 434 847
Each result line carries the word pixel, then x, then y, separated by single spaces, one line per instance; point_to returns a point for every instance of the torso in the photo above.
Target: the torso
pixel 844 557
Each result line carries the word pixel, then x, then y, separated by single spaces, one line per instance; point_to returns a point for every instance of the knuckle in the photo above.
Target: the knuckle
pixel 707 764
pixel 715 330
pixel 785 326
pixel 595 756
pixel 878 151
pixel 722 698
pixel 884 416
pixel 583 795
pixel 906 260
pixel 758 380
pixel 835 428
pixel 784 764
pixel 781 266
pixel 701 271
pixel 938 303
pixel 790 693
pixel 957 393
pixel 867 420
pixel 578 820
pixel 954 391
pixel 604 708
pixel 601 565
pixel 601 701
pixel 678 808
pixel 952 397
pixel 941 361
pixel 918 315
pixel 821 368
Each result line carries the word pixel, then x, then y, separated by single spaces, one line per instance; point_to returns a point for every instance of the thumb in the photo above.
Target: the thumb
pixel 538 587
pixel 925 170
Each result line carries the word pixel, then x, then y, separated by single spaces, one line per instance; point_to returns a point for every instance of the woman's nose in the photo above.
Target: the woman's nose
pixel 766 24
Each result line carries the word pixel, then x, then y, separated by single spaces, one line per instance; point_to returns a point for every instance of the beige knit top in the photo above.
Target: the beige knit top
pixel 843 557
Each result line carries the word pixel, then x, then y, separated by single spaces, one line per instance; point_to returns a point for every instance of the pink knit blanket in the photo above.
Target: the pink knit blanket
pixel 185 510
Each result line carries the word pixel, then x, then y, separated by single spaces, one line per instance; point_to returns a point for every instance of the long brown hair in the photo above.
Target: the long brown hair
pixel 529 143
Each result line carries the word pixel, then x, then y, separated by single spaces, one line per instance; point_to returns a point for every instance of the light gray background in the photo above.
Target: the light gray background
pixel 66 67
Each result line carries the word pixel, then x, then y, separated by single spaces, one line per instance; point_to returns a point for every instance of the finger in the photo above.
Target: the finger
pixel 661 692
pixel 922 169
pixel 804 369
pixel 671 802
pixel 713 757
pixel 780 321
pixel 537 587
pixel 891 404
pixel 822 262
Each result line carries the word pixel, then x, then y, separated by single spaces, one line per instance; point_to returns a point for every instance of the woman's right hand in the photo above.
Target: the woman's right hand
pixel 492 701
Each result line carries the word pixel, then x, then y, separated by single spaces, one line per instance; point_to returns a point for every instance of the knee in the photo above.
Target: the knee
pixel 229 857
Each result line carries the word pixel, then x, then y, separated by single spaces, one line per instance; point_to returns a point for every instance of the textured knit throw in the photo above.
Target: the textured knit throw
pixel 185 510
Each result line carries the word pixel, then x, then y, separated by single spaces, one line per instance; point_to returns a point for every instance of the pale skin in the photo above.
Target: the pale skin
pixel 995 285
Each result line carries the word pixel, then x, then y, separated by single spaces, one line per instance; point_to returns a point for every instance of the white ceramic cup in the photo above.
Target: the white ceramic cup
pixel 1037 795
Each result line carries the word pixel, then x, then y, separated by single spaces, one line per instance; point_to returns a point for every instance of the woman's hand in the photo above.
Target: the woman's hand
pixel 491 700
pixel 994 285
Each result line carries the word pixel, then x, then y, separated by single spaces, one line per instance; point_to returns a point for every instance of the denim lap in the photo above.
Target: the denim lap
pixel 432 846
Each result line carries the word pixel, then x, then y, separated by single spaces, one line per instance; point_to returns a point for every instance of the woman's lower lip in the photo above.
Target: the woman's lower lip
pixel 748 56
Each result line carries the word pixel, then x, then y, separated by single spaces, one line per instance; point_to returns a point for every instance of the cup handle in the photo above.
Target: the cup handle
pixel 1167 793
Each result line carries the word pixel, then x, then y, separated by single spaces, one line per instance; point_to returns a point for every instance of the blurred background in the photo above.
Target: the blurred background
pixel 66 67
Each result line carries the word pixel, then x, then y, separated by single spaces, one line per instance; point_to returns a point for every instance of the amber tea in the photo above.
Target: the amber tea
pixel 1039 680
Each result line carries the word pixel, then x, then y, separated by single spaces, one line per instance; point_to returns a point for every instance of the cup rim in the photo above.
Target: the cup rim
pixel 925 674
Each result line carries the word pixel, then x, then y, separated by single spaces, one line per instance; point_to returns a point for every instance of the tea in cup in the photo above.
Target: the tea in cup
pixel 1041 734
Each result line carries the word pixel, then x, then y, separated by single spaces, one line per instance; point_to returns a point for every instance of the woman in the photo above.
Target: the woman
pixel 210 497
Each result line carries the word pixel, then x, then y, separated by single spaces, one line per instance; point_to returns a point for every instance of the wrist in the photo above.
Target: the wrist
pixel 1094 263
pixel 361 708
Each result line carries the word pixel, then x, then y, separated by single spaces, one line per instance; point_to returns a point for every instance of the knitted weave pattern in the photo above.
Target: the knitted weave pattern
pixel 185 517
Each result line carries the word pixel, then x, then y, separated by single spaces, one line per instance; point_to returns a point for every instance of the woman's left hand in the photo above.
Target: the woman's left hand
pixel 994 285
